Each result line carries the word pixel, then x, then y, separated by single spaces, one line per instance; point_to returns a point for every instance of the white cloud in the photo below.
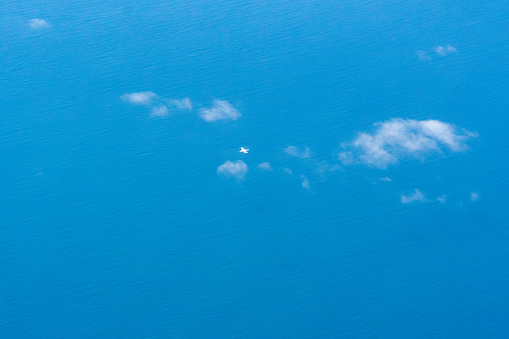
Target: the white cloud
pixel 416 196
pixel 220 110
pixel 147 98
pixel 182 104
pixel 398 138
pixel 305 183
pixel 474 196
pixel 385 179
pixel 439 50
pixel 159 111
pixel 423 55
pixel 265 166
pixel 442 51
pixel 288 171
pixel 38 24
pixel 139 98
pixel 236 169
pixel 442 199
pixel 450 49
pixel 294 151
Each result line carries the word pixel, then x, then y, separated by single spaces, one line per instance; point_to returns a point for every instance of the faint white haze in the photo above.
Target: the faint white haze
pixel 265 166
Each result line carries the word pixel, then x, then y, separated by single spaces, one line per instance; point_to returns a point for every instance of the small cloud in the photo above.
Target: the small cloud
pixel 325 167
pixel 159 111
pixel 424 56
pixel 439 50
pixel 399 138
pixel 450 49
pixel 265 166
pixel 182 104
pixel 385 179
pixel 474 196
pixel 236 169
pixel 220 110
pixel 288 171
pixel 441 199
pixel 416 196
pixel 139 98
pixel 294 151
pixel 305 183
pixel 38 24
pixel 442 51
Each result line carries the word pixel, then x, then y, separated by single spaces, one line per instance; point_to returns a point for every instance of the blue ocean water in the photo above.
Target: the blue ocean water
pixel 116 223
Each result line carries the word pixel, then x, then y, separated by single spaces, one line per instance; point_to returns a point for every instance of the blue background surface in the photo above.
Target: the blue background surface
pixel 114 223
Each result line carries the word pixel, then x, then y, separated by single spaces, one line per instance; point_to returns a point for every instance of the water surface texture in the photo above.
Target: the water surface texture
pixel 372 201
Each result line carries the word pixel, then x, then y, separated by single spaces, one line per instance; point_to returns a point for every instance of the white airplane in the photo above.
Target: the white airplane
pixel 244 150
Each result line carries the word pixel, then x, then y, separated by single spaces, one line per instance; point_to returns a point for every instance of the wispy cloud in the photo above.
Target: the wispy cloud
pixel 442 199
pixel 160 107
pixel 438 50
pixel 324 167
pixel 38 24
pixel 288 171
pixel 265 166
pixel 182 104
pixel 474 196
pixel 385 179
pixel 236 169
pixel 294 151
pixel 444 50
pixel 139 98
pixel 305 183
pixel 416 196
pixel 422 55
pixel 398 138
pixel 160 111
pixel 220 110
